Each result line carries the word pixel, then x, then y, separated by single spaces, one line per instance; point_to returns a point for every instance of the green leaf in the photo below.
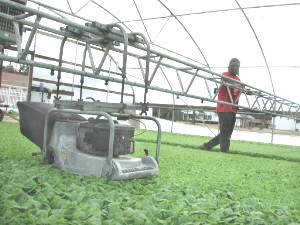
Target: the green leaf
pixel 79 215
pixel 41 214
pixel 69 212
pixel 230 195
pixel 161 221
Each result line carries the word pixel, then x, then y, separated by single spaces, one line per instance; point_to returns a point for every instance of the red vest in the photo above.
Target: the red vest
pixel 224 97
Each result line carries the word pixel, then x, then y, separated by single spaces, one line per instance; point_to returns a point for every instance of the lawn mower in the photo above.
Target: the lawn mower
pixel 99 145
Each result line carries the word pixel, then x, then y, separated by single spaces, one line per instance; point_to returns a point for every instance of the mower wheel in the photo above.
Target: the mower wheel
pixel 49 159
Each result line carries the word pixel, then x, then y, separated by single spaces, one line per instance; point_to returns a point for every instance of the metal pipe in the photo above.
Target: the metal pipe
pixel 146 78
pixel 103 58
pixel 31 36
pixel 60 65
pixel 125 38
pixel 136 46
pixel 111 37
pixel 158 138
pixel 101 77
pixel 30 76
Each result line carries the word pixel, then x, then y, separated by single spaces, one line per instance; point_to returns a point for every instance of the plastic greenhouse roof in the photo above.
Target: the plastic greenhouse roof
pixel 263 34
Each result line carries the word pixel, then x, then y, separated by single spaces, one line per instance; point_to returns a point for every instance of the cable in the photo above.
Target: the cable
pixel 186 31
pixel 212 11
pixel 78 9
pixel 262 51
pixel 141 19
pixel 145 128
pixel 161 30
pixel 111 15
pixel 202 119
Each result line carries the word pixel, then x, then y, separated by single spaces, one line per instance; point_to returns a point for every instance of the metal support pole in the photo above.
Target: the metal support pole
pixel 30 77
pixel 273 127
pixel 1 64
pixel 60 65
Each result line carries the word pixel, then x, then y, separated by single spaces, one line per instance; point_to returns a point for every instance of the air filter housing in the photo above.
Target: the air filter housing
pixel 7 31
pixel 93 138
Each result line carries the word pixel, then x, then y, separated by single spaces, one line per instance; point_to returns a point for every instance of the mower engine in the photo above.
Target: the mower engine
pixel 93 136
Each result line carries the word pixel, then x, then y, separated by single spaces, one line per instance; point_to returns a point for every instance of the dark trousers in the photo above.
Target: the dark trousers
pixel 226 123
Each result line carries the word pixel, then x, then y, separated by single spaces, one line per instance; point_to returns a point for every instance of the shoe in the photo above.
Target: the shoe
pixel 204 147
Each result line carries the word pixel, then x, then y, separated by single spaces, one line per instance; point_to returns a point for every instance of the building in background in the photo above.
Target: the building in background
pixel 282 123
pixel 13 88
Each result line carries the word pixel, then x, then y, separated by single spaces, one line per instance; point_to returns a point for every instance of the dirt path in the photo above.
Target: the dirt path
pixel 7 118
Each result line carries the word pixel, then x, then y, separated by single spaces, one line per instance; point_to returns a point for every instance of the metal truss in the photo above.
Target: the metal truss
pixel 113 38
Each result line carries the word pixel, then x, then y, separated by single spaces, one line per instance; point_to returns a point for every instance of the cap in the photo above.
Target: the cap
pixel 234 61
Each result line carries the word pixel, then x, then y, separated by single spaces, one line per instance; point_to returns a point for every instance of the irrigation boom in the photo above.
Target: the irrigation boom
pixel 109 39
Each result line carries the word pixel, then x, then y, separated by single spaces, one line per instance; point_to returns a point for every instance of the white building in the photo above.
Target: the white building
pixel 283 123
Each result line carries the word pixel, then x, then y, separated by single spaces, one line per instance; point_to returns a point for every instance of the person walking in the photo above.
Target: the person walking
pixel 226 113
